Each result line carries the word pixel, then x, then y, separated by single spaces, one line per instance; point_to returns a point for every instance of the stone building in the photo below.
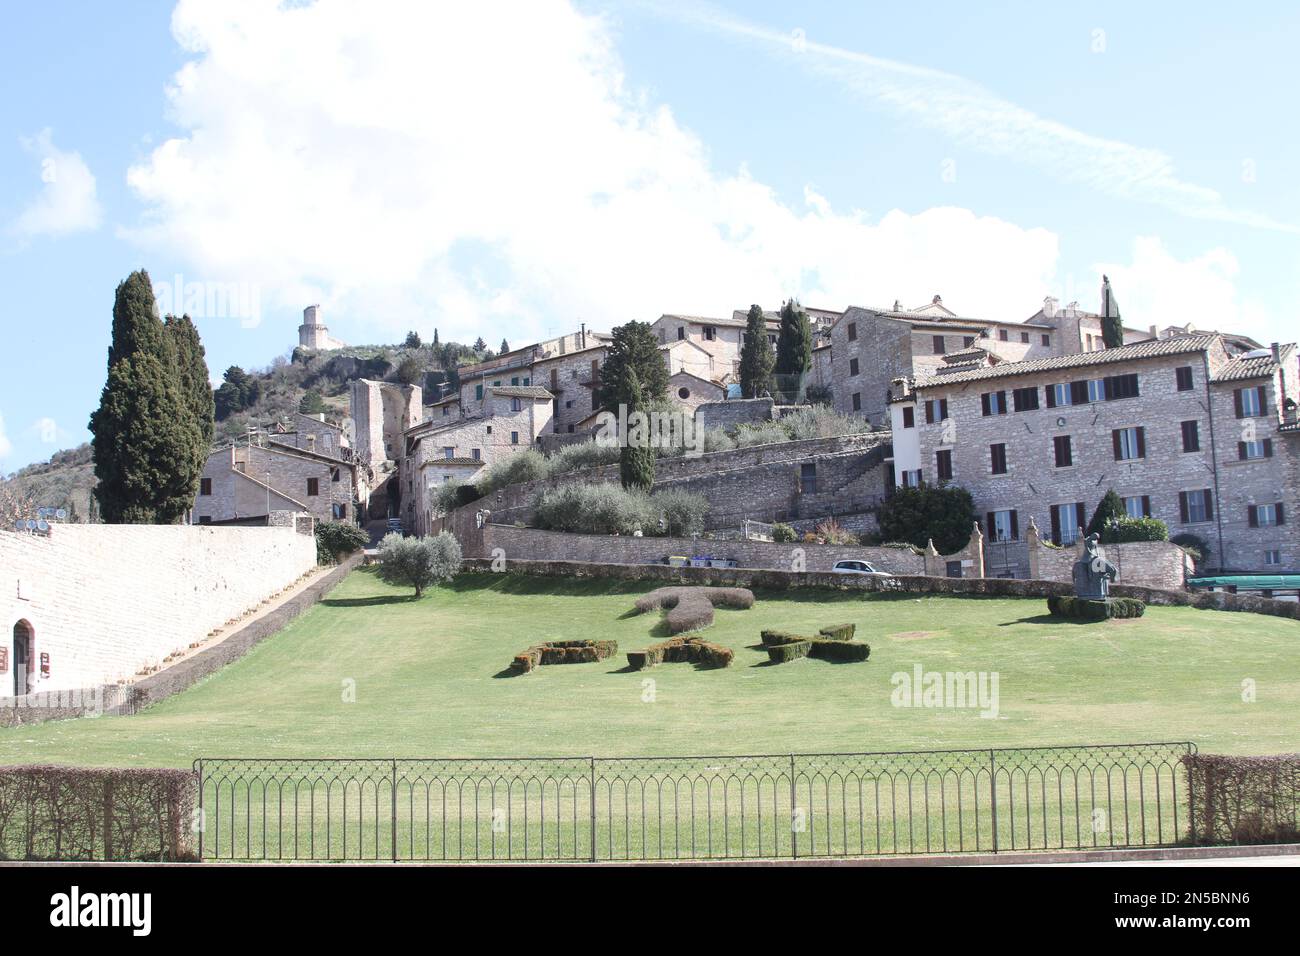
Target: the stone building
pixel 313 333
pixel 313 433
pixel 245 483
pixel 1182 429
pixel 506 420
pixel 691 391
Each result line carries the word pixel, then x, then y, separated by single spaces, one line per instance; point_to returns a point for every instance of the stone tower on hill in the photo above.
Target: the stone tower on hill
pixel 313 334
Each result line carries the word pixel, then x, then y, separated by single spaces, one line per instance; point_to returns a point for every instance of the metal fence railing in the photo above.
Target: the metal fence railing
pixel 694 808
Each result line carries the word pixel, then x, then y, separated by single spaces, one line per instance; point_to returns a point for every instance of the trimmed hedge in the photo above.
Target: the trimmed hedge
pixel 784 653
pixel 777 638
pixel 689 608
pixel 562 652
pixel 840 651
pixel 1244 799
pixel 1065 606
pixel 96 813
pixel 686 649
pixel 838 632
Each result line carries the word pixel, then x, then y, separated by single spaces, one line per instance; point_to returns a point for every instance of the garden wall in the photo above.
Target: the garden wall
pixel 1151 564
pixel 909 584
pixel 104 601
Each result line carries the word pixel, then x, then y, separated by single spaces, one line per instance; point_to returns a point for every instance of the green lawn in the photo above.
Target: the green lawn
pixel 430 681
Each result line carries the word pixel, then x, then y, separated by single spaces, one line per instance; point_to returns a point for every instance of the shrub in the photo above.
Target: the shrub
pixel 919 515
pixel 1136 529
pixel 576 457
pixel 771 638
pixel 783 533
pixel 96 813
pixel 419 562
pixel 1193 544
pixel 527 465
pixel 680 513
pixel 1244 799
pixel 562 652
pixel 1063 605
pixel 690 608
pixel 686 648
pixel 335 539
pixel 446 496
pixel 831 532
pixel 839 650
pixel 594 509
pixel 784 653
pixel 838 632
pixel 819 395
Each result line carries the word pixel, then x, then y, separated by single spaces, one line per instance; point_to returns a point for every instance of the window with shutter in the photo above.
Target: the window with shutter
pixel 998 458
pixel 1064 453
pixel 909 417
pixel 943 464
pixel 1191 436
pixel 1183 377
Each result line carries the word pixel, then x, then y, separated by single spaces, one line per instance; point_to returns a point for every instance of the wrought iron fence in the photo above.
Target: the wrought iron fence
pixel 695 808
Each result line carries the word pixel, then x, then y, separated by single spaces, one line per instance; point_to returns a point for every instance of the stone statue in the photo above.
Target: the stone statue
pixel 1093 573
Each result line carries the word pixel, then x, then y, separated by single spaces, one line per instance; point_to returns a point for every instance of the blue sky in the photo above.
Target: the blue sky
pixel 512 171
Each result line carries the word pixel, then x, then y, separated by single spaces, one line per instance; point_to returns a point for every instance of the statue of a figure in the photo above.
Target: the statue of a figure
pixel 1093 573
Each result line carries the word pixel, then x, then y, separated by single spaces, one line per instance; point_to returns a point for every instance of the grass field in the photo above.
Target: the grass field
pixel 430 681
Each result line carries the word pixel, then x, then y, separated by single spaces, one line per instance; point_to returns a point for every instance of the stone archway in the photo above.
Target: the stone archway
pixel 22 657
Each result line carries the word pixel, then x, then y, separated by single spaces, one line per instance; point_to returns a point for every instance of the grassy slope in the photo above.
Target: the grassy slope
pixel 428 681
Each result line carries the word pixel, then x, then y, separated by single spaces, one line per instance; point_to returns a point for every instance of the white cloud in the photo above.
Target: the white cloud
pixel 66 203
pixel 978 118
pixel 411 164
pixel 1156 288
pixel 5 445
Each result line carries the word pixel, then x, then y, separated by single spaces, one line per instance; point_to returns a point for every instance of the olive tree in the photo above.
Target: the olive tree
pixel 419 562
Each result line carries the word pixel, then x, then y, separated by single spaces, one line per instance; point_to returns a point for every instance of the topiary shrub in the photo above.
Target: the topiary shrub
pixel 771 638
pixel 784 653
pixel 918 515
pixel 690 608
pixel 839 651
pixel 683 649
pixel 1063 605
pixel 562 652
pixel 838 632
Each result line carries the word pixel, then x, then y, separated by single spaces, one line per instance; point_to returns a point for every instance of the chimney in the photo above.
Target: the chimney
pixel 1155 333
pixel 584 335
pixel 1049 307
pixel 936 301
pixel 1277 354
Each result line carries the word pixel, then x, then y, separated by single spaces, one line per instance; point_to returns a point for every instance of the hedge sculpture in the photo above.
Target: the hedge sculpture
pixel 833 643
pixel 562 652
pixel 690 608
pixel 685 649
pixel 1095 610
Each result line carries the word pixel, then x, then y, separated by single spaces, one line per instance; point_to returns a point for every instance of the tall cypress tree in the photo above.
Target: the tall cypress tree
pixel 793 349
pixel 144 429
pixel 1112 326
pixel 755 355
pixel 636 463
pixel 633 346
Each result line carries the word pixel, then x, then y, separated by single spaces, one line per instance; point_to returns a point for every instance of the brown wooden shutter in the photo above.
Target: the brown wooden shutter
pixel 1263 400
pixel 1142 441
pixel 943 408
pixel 1079 393
pixel 1002 402
pixel 1252 516
pixel 1056 524
pixel 929 413
pixel 1015 524
pixel 1080 516
pixel 1241 451
pixel 984 404
pixel 1146 506
pixel 1114 441
pixel 1268 448
pixel 1209 504
pixel 1051 396
pixel 1281 513
pixel 1236 403
pixel 1182 507
pixel 991 526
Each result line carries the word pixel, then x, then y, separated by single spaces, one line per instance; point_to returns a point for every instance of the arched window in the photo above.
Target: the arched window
pixel 22 658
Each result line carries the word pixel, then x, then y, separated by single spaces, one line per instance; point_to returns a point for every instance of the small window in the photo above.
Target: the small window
pixel 936 410
pixel 1064 451
pixel 1253 450
pixel 1249 401
pixel 514 438
pixel 1129 443
pixel 808 478
pixel 476 454
pixel 1272 558
pixel 448 451
pixel 857 401
pixel 1047 340
pixel 1137 506
pixel 1191 436
pixel 516 404
pixel 853 331
pixel 205 486
pixel 313 487
pixel 1002 335
pixel 1067 520
pixel 1183 376
pixel 938 345
pixel 1003 526
pixel 1024 338
pixel 853 366
pixel 1266 516
pixel 205 519
pixel 994 403
pixel 446 410
pixel 681 332
pixel 478 391
pixel 943 464
pixel 683 392
pixel 909 416
pixel 336 475
pixel 710 333
pixel 1025 399
pixel 1060 394
pixel 967 341
pixel 1195 506
pixel 1120 386
pixel 515 380
pixel 998 458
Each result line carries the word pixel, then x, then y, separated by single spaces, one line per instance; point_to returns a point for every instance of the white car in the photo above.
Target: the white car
pixel 859 567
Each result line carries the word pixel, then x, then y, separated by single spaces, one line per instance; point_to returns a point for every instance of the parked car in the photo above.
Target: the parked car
pixel 859 567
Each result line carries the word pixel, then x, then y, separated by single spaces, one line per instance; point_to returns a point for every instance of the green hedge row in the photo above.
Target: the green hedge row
pixel 1066 606
pixel 834 643
pixel 562 652
pixel 686 649
pixel 838 632
pixel 784 653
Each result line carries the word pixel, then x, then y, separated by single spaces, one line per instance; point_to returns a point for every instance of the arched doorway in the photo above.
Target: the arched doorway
pixel 24 638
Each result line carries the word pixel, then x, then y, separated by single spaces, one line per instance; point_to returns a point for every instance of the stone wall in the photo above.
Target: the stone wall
pixel 535 545
pixel 105 601
pixel 1149 564
pixel 738 411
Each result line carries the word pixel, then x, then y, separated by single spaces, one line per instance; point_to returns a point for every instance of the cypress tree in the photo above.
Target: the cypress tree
pixel 144 433
pixel 793 350
pixel 1112 326
pixel 196 394
pixel 756 357
pixel 505 346
pixel 636 464
pixel 633 346
pixel 1109 508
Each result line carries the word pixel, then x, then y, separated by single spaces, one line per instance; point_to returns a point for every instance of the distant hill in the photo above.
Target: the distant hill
pixel 310 381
